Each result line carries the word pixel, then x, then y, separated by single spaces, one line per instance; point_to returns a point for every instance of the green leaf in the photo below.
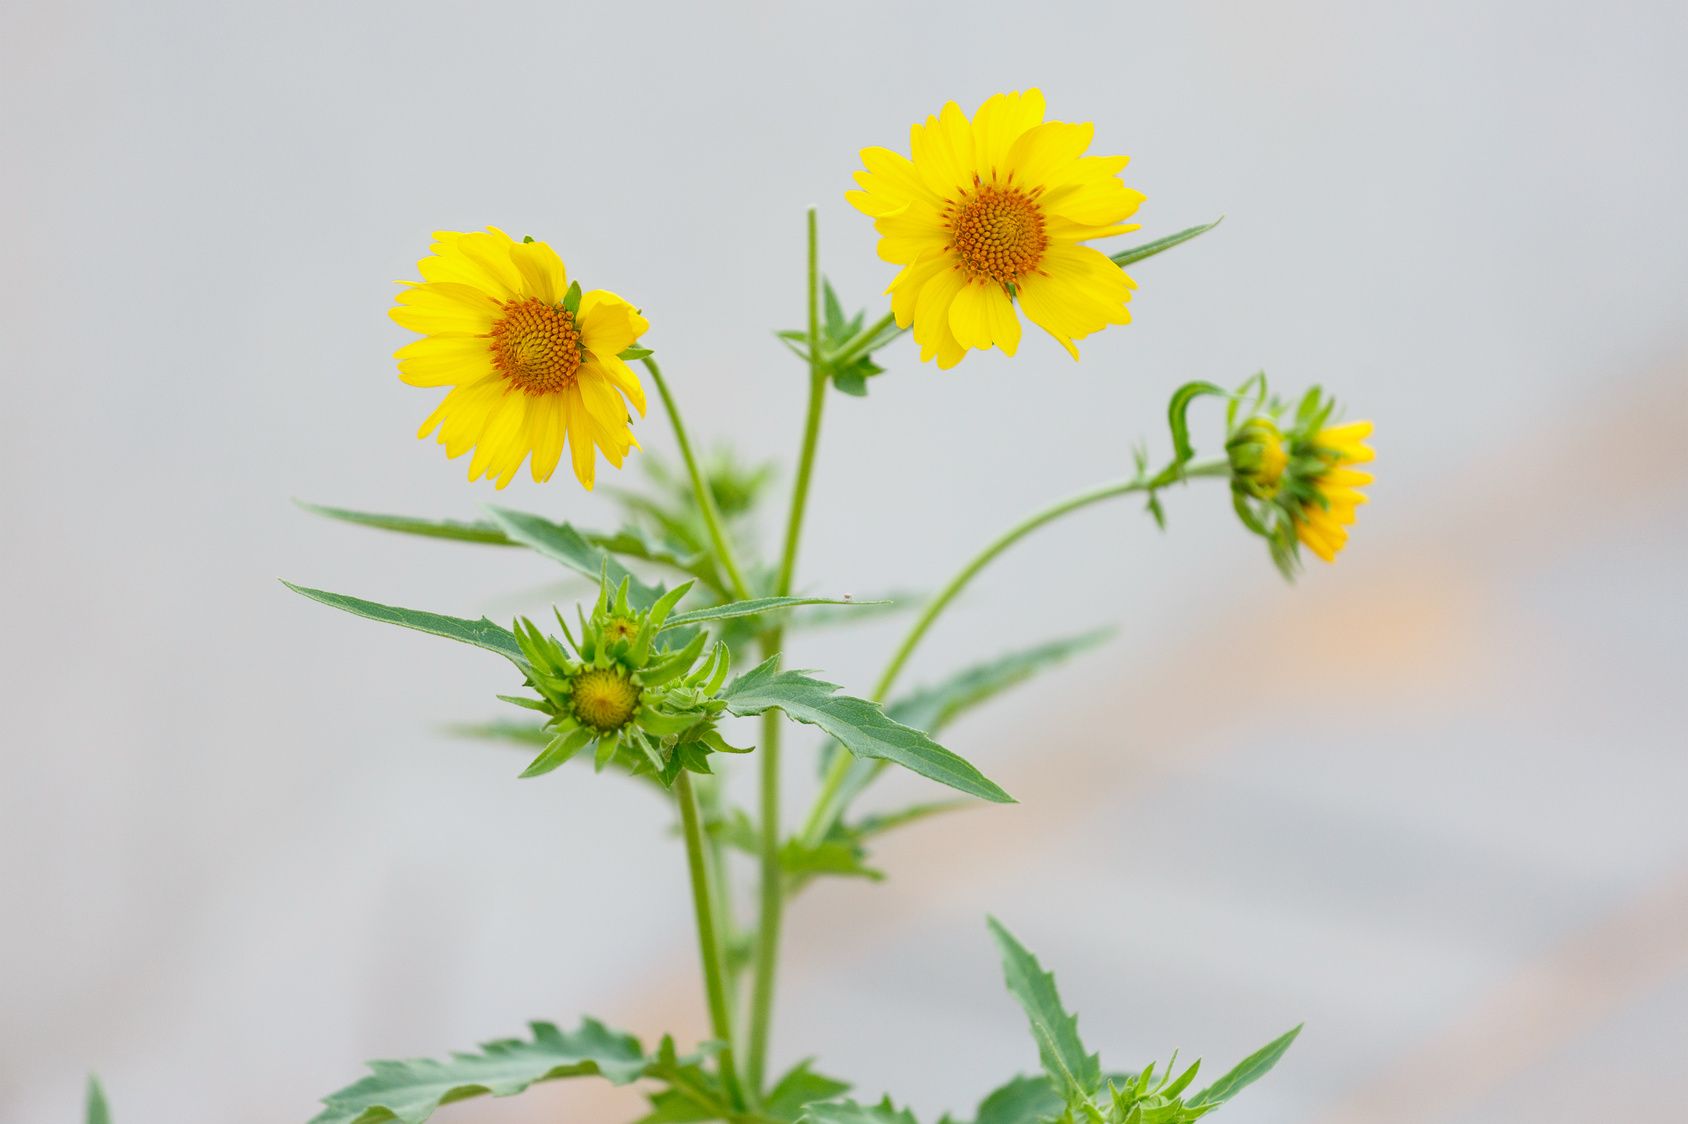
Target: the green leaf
pixel 933 708
pixel 1074 1072
pixel 571 299
pixel 880 823
pixel 752 608
pixel 482 633
pixel 407 525
pixel 799 1088
pixel 1160 245
pixel 836 326
pixel 97 1111
pixel 693 1094
pixel 849 1112
pixel 562 543
pixel 860 726
pixel 410 1091
pixel 1024 1100
pixel 1246 1072
pixel 634 353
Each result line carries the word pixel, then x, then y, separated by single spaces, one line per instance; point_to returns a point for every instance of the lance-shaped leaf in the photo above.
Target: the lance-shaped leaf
pixel 482 633
pixel 410 1091
pixel 800 1087
pixel 752 608
pixel 1024 1100
pixel 409 525
pixel 858 725
pixel 562 543
pixel 932 708
pixel 96 1111
pixel 1245 1072
pixel 849 1112
pixel 1075 1073
pixel 1161 245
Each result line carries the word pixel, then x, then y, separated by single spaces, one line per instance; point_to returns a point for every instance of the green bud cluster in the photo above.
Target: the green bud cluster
pixel 628 686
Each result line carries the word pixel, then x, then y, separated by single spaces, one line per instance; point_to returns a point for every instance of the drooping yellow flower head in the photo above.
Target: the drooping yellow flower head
pixel 1322 521
pixel 991 210
pixel 532 361
pixel 1292 472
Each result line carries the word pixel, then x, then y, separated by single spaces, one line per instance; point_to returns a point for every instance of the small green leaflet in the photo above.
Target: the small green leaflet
pixel 858 725
pixel 408 525
pixel 97 1112
pixel 1246 1072
pixel 482 633
pixel 410 1091
pixel 562 543
pixel 1024 1100
pixel 693 1094
pixel 752 608
pixel 849 1112
pixel 799 1088
pixel 1160 245
pixel 1072 1070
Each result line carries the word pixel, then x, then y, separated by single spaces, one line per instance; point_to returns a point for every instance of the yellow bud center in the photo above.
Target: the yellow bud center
pixel 604 698
pixel 537 346
pixel 997 233
pixel 621 628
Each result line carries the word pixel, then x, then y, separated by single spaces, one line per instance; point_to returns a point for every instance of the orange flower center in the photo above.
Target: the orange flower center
pixel 537 346
pixel 997 233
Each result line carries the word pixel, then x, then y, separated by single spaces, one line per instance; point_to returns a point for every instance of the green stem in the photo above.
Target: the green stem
pixel 700 487
pixel 857 344
pixel 772 898
pixel 708 941
pixel 825 811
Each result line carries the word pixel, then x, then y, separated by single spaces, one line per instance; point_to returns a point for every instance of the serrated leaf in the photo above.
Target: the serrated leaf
pixel 454 530
pixel 1075 1073
pixel 693 1093
pixel 849 1112
pixel 1246 1072
pixel 801 1087
pixel 858 725
pixel 1161 245
pixel 562 543
pixel 410 1091
pixel 1024 1100
pixel 482 633
pixel 97 1112
pixel 752 608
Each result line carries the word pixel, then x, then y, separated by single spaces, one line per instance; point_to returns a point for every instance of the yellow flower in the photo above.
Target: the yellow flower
pixel 1322 521
pixel 531 360
pixel 992 210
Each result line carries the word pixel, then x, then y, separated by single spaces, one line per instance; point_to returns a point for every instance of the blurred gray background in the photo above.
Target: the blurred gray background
pixel 1429 800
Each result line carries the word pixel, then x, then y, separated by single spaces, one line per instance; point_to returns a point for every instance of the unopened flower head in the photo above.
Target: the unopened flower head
pixel 622 685
pixel 1293 475
pixel 532 361
pixel 993 210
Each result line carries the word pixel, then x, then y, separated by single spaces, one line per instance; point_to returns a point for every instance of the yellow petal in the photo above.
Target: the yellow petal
pixel 545 430
pixel 982 316
pixel 543 273
pixel 1045 152
pixel 608 324
pixel 621 376
pixel 580 438
pixel 998 124
pixel 1076 291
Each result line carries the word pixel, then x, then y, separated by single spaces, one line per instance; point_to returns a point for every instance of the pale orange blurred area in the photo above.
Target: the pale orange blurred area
pixel 1427 800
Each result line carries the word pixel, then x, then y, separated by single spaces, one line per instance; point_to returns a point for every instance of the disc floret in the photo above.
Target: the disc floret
pixel 629 685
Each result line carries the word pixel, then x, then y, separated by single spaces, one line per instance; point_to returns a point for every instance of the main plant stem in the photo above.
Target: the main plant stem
pixel 708 939
pixel 826 809
pixel 700 486
pixel 772 900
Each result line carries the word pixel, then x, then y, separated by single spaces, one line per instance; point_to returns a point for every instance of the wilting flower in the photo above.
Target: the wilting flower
pixel 1297 486
pixel 531 360
pixel 623 686
pixel 994 210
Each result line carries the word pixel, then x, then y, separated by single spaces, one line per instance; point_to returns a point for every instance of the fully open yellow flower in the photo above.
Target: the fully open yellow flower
pixel 531 360
pixel 1323 527
pixel 994 209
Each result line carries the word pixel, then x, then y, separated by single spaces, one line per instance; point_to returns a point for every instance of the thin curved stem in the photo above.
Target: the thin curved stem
pixel 857 345
pixel 700 486
pixel 772 897
pixel 708 940
pixel 825 811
